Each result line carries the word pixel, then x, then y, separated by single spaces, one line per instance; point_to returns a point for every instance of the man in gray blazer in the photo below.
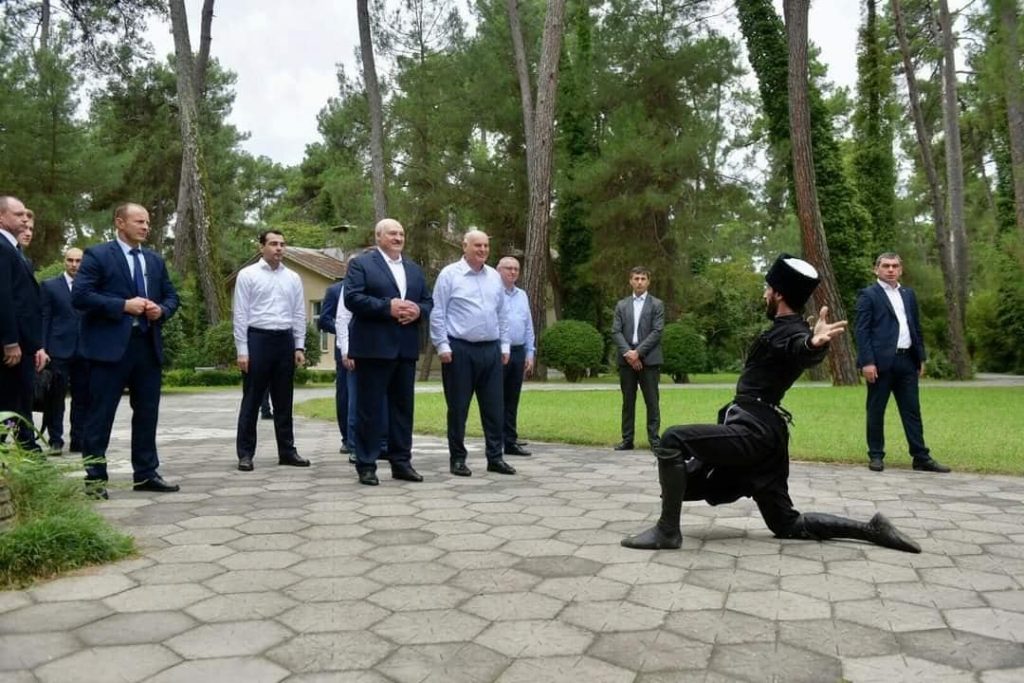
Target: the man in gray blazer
pixel 636 330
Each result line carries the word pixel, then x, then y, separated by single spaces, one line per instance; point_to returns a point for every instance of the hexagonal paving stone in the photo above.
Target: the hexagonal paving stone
pixel 27 651
pixel 673 597
pixel 444 663
pixel 178 572
pixel 890 615
pixel 231 639
pixel 961 650
pixel 333 588
pixel 241 607
pixel 131 662
pixel 252 580
pixel 135 628
pixel 830 587
pixel 468 542
pixel 216 536
pixel 995 623
pixel 484 581
pixel 327 567
pixel 513 606
pixel 720 626
pixel 535 638
pixel 191 553
pixel 613 615
pixel 965 578
pixel 554 567
pixel 432 626
pixel 403 553
pixel 331 651
pixel 213 522
pixel 901 668
pixel 262 559
pixel 168 596
pixel 10 600
pixel 768 661
pixel 81 588
pixel 479 559
pixel 267 542
pixel 557 669
pixel 321 617
pixel 778 605
pixel 732 580
pixel 248 669
pixel 650 651
pixel 52 616
pixel 639 573
pixel 410 598
pixel 835 637
pixel 929 595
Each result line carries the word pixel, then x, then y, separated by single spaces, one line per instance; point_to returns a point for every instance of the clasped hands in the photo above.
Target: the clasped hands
pixel 142 306
pixel 404 311
pixel 633 360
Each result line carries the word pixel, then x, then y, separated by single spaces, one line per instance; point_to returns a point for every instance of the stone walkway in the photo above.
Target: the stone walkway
pixel 303 575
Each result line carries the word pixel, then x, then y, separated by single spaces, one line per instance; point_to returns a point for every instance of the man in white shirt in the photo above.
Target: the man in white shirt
pixel 891 356
pixel 270 337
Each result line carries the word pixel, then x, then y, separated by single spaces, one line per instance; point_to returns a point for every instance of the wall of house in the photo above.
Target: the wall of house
pixel 315 285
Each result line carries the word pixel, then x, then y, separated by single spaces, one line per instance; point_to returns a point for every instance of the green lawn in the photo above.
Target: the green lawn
pixel 970 429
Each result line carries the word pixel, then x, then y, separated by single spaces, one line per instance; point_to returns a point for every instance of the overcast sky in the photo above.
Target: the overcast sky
pixel 285 59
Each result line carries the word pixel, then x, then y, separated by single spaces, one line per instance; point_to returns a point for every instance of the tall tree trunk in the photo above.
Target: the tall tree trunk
pixel 841 358
pixel 954 155
pixel 539 129
pixel 380 197
pixel 954 312
pixel 1009 22
pixel 44 25
pixel 203 58
pixel 193 214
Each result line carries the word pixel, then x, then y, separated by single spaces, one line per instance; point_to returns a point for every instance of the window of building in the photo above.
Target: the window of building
pixel 317 307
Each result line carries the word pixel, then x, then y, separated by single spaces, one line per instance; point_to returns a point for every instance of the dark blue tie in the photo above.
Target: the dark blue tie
pixel 140 285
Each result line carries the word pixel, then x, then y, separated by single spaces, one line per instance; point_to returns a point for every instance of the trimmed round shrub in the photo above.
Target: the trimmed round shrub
pixel 219 344
pixel 685 351
pixel 573 347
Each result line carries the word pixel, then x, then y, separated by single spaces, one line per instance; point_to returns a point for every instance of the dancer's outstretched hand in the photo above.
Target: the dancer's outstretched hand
pixel 824 331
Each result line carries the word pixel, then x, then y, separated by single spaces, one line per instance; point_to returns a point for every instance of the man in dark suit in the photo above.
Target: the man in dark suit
pixel 125 295
pixel 388 297
pixel 891 356
pixel 61 323
pixel 327 323
pixel 636 330
pixel 20 321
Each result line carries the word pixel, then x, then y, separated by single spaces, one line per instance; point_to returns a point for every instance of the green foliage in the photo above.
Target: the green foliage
pixel 572 346
pixel 313 351
pixel 685 351
pixel 219 344
pixel 203 378
pixel 55 529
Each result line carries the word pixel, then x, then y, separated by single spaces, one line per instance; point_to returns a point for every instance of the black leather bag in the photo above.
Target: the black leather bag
pixel 41 389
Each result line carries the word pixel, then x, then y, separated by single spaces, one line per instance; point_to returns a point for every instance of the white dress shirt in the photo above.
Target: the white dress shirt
pixel 70 281
pixel 397 271
pixel 638 307
pixel 342 318
pixel 268 299
pixel 896 299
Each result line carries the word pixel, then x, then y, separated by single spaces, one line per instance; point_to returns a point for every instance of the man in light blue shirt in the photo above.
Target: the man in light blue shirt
pixel 520 362
pixel 469 328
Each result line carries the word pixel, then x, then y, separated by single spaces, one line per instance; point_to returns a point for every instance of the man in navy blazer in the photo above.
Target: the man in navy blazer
pixel 20 321
pixel 891 356
pixel 326 323
pixel 61 325
pixel 125 295
pixel 388 297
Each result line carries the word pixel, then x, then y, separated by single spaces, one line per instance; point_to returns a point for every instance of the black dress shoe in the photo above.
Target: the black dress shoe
pixel 655 443
pixel 292 460
pixel 352 458
pixel 929 465
pixel 500 466
pixel 405 473
pixel 522 443
pixel 97 490
pixel 368 478
pixel 459 469
pixel 57 446
pixel 516 449
pixel 245 463
pixel 345 449
pixel 157 484
pixel 876 465
pixel 624 446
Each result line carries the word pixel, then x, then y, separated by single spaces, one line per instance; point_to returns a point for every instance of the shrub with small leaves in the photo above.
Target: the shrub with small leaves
pixel 685 351
pixel 573 347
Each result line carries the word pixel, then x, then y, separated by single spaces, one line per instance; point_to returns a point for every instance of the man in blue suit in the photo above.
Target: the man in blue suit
pixel 891 356
pixel 388 297
pixel 125 295
pixel 61 323
pixel 20 321
pixel 327 323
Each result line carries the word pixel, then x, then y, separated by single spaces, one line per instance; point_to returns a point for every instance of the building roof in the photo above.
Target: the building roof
pixel 327 262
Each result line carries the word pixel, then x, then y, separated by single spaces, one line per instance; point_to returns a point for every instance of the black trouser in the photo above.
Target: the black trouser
pixel 68 373
pixel 513 386
pixel 271 364
pixel 647 379
pixel 475 369
pixel 139 371
pixel 16 385
pixel 900 381
pixel 384 402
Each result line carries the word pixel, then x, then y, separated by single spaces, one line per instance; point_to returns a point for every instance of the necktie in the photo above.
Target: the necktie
pixel 23 257
pixel 140 285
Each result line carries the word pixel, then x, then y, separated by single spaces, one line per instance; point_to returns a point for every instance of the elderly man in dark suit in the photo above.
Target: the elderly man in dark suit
pixel 891 356
pixel 636 330
pixel 20 321
pixel 388 297
pixel 125 295
pixel 61 323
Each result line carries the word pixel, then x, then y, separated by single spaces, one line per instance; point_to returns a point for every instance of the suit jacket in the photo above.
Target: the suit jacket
pixel 61 322
pixel 369 289
pixel 20 319
pixel 648 334
pixel 102 285
pixel 329 314
pixel 877 330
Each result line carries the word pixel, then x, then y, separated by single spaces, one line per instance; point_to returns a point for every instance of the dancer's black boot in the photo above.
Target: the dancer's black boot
pixel 880 531
pixel 665 535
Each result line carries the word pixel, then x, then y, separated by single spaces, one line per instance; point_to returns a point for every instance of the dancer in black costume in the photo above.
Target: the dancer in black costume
pixel 747 453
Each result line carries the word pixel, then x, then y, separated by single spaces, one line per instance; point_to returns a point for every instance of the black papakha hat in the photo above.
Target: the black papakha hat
pixel 793 278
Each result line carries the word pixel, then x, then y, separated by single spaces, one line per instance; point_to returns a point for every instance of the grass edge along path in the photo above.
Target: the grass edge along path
pixel 971 429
